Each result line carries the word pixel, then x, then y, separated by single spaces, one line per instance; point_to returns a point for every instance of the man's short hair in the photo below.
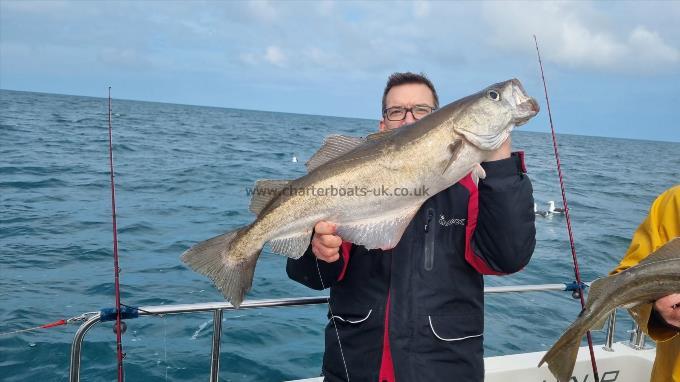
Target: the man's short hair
pixel 399 78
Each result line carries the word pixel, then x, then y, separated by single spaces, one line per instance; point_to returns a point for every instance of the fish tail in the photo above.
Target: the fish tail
pixel 561 358
pixel 226 263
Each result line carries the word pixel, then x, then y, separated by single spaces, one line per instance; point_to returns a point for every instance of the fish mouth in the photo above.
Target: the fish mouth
pixel 527 110
pixel 526 106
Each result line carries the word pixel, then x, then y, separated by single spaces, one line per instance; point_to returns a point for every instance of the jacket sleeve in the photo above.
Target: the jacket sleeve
pixel 505 234
pixel 304 270
pixel 660 226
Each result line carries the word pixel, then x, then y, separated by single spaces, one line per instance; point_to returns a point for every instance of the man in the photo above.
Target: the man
pixel 415 312
pixel 660 320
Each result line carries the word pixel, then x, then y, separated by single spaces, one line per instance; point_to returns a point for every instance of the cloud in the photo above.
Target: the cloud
pixel 649 45
pixel 578 45
pixel 35 6
pixel 578 35
pixel 325 7
pixel 274 55
pixel 248 58
pixel 130 59
pixel 421 9
pixel 351 39
pixel 263 10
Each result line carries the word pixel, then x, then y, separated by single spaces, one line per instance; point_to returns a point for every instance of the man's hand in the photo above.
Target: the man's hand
pixel 502 152
pixel 669 309
pixel 325 243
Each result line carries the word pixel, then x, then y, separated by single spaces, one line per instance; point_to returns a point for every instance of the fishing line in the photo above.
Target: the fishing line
pixel 138 308
pixel 337 333
pixel 116 269
pixel 577 273
pixel 50 325
pixel 54 324
pixel 165 335
pixel 165 347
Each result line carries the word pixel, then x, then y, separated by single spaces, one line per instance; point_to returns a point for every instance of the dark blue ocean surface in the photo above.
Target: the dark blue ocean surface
pixel 182 173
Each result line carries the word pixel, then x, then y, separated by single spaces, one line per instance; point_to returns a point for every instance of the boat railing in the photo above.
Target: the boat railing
pixel 91 319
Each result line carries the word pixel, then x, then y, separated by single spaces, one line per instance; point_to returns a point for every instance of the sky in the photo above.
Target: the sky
pixel 612 68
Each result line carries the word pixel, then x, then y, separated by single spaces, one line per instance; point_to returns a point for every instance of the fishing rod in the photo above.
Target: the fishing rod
pixel 577 272
pixel 116 269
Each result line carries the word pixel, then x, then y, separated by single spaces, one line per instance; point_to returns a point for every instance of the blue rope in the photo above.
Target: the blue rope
pixel 126 312
pixel 574 286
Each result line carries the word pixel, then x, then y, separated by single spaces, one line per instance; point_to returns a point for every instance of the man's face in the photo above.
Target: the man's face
pixel 406 96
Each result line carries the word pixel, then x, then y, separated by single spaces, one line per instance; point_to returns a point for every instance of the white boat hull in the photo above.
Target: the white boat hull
pixel 623 364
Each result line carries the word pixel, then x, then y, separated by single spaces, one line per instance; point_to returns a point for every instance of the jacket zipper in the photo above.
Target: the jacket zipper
pixel 430 231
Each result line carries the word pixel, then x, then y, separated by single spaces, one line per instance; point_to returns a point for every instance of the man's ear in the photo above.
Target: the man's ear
pixel 381 125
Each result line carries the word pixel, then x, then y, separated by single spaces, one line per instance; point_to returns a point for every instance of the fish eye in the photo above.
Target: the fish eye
pixel 494 95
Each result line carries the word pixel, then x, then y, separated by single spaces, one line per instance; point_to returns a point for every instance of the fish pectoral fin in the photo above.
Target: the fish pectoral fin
pixel 599 287
pixel 383 231
pixel 293 246
pixel 333 147
pixel 599 324
pixel 455 149
pixel 640 310
pixel 265 191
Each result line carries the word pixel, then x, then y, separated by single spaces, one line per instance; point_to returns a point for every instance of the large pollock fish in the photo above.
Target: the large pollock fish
pixel 431 154
pixel 656 276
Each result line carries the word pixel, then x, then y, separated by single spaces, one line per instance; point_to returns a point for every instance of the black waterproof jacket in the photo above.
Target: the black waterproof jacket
pixel 416 312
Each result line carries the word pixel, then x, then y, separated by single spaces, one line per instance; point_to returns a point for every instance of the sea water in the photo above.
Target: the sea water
pixel 182 174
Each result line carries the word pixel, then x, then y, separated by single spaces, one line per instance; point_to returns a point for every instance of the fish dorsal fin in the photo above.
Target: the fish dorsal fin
pixel 669 251
pixel 333 147
pixel 596 287
pixel 597 291
pixel 381 135
pixel 264 192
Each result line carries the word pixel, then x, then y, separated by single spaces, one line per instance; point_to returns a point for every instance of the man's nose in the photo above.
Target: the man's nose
pixel 408 119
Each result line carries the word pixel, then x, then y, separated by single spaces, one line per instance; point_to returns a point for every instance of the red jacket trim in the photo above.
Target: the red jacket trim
pixel 473 210
pixel 386 365
pixel 345 248
pixel 523 165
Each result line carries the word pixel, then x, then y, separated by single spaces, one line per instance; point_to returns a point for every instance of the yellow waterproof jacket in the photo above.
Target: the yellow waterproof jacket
pixel 661 225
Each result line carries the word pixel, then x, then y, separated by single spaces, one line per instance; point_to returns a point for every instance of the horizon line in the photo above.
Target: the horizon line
pixel 546 131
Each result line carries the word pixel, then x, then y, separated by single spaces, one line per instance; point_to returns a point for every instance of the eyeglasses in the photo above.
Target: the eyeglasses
pixel 398 113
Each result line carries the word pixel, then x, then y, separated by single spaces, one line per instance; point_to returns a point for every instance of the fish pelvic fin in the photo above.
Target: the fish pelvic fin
pixel 561 358
pixel 293 246
pixel 478 173
pixel 225 263
pixel 381 232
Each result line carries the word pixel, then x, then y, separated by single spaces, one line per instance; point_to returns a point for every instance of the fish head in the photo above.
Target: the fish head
pixel 493 112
